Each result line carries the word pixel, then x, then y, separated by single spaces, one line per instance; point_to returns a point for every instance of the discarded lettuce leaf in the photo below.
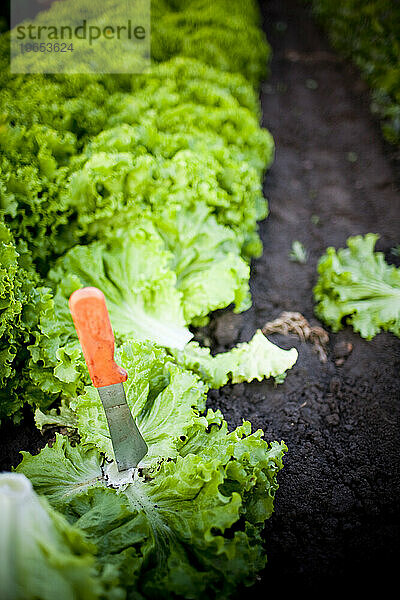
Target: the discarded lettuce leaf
pixel 257 359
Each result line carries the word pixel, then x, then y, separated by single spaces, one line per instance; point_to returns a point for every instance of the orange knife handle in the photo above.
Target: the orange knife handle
pixel 92 323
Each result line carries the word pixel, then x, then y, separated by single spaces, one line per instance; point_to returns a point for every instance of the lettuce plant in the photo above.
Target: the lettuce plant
pixel 189 527
pixel 110 189
pixel 141 297
pixel 155 286
pixel 187 521
pixel 356 286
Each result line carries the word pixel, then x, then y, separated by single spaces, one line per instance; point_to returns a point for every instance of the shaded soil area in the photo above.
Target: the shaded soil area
pixel 336 519
pixel 336 514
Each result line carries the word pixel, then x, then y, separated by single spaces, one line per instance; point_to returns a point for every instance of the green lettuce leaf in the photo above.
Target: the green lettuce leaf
pixel 356 286
pixel 56 365
pixel 183 76
pixel 217 105
pixel 132 272
pixel 206 259
pixel 257 359
pixel 10 301
pixel 42 555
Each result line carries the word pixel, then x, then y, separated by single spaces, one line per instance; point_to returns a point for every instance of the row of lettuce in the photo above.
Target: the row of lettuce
pixel 368 32
pixel 149 188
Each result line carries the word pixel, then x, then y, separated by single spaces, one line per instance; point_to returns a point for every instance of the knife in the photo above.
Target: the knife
pixel 92 323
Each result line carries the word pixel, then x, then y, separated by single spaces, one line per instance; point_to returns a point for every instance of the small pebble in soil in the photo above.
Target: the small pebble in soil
pixel 308 165
pixel 280 26
pixel 352 157
pixel 333 419
pixel 311 84
pixel 334 385
pixel 341 352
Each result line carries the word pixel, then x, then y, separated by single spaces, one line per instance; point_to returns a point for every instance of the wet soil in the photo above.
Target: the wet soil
pixel 335 525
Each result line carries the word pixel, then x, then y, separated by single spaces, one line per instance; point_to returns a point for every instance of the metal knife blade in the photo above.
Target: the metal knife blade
pixel 128 443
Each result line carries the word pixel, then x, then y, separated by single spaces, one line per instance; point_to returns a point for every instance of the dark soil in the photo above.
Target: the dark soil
pixel 336 522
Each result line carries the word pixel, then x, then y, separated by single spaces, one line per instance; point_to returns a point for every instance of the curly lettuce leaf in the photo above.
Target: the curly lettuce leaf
pixel 56 365
pixel 10 301
pixel 206 259
pixel 257 359
pixel 195 81
pixel 41 553
pixel 356 286
pixel 216 442
pixel 218 106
